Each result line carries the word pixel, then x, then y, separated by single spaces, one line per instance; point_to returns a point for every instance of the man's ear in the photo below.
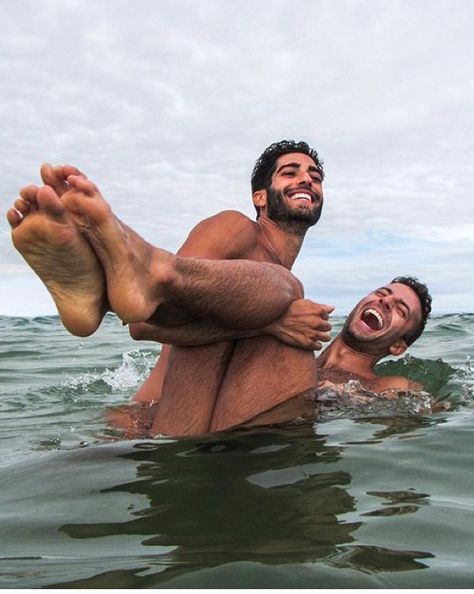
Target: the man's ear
pixel 260 198
pixel 398 348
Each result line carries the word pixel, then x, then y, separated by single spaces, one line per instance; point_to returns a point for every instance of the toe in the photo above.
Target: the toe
pixel 71 170
pixel 14 217
pixel 54 177
pixel 50 202
pixel 29 195
pixel 83 184
pixel 21 206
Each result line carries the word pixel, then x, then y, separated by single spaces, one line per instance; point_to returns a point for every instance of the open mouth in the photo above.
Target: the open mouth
pixel 372 319
pixel 302 196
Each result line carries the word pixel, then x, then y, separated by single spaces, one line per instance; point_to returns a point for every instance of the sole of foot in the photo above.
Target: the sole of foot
pixel 47 238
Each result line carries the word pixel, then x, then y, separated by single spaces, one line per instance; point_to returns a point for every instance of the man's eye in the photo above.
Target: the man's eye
pixel 316 180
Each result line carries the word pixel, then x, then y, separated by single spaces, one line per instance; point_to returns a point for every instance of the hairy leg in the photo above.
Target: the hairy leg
pixel 49 241
pixel 140 277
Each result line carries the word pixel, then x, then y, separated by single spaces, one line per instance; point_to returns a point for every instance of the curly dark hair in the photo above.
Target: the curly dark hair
pixel 265 165
pixel 425 300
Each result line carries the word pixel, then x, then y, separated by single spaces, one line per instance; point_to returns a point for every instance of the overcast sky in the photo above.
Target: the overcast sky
pixel 166 105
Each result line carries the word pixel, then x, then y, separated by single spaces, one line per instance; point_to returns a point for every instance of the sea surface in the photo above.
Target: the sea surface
pixel 362 498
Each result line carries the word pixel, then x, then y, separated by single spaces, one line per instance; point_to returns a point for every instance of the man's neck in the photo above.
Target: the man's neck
pixel 283 242
pixel 339 356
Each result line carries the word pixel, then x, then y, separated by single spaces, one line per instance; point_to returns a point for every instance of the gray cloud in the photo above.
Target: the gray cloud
pixel 166 106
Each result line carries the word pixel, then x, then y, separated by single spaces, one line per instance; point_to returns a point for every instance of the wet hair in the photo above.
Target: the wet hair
pixel 265 165
pixel 425 301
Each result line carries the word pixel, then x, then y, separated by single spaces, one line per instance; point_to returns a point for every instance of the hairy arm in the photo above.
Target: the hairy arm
pixel 222 236
pixel 228 235
pixel 304 325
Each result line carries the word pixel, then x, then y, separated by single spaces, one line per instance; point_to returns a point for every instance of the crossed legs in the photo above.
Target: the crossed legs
pixel 90 262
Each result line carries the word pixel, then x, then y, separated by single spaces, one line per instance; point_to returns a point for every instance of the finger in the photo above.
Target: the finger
pixel 323 326
pixel 317 346
pixel 328 308
pixel 324 336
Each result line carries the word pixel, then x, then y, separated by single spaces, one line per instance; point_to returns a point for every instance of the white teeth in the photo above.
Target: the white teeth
pixel 377 315
pixel 301 196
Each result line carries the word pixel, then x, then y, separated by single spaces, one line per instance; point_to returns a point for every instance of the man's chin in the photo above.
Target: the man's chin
pixel 306 216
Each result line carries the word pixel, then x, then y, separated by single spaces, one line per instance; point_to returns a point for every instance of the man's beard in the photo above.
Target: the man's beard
pixel 360 344
pixel 278 210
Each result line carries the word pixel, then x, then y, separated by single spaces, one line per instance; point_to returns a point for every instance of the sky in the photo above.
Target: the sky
pixel 166 105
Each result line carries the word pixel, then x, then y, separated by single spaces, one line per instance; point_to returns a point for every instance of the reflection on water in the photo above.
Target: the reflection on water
pixel 370 503
pixel 374 559
pixel 402 425
pixel 266 496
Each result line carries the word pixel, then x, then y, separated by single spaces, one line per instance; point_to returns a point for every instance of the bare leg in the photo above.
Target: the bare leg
pixel 48 240
pixel 136 272
pixel 140 278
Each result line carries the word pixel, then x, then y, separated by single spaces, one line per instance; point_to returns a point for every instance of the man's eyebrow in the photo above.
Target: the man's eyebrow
pixel 311 168
pixel 400 301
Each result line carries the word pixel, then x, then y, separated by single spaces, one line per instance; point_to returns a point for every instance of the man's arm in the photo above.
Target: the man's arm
pixel 220 236
pixel 304 325
pixel 225 236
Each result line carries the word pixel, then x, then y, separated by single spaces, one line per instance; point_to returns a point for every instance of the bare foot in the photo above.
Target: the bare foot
pixel 137 273
pixel 56 176
pixel 47 238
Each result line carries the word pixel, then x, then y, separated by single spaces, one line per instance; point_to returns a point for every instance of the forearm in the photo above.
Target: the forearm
pixel 304 325
pixel 199 332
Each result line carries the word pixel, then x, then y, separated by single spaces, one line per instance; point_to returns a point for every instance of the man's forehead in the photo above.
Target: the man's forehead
pixel 407 295
pixel 300 158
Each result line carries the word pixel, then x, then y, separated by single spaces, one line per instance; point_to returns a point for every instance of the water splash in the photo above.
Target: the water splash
pixel 468 383
pixel 134 369
pixel 432 374
pixel 353 400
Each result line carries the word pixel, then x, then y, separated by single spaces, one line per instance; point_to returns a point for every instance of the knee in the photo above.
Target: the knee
pixel 137 330
pixel 295 287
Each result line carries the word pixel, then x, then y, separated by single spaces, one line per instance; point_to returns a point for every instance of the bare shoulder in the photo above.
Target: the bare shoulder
pixel 230 219
pixel 226 235
pixel 396 382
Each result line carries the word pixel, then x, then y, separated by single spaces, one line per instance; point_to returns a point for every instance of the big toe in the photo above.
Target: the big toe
pixel 50 202
pixel 54 177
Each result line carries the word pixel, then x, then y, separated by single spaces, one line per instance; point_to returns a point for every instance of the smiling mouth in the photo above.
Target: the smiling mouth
pixel 372 319
pixel 302 196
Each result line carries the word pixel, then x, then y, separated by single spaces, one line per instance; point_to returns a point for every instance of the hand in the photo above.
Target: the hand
pixel 305 324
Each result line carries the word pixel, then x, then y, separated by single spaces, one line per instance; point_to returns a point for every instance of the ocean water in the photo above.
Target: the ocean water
pixel 362 498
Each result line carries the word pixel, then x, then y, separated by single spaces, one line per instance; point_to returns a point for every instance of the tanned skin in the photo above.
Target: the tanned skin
pixel 141 279
pixel 356 350
pixel 222 385
pixel 359 347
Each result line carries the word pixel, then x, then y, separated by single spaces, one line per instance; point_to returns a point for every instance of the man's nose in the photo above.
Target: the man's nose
pixel 304 178
pixel 387 302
